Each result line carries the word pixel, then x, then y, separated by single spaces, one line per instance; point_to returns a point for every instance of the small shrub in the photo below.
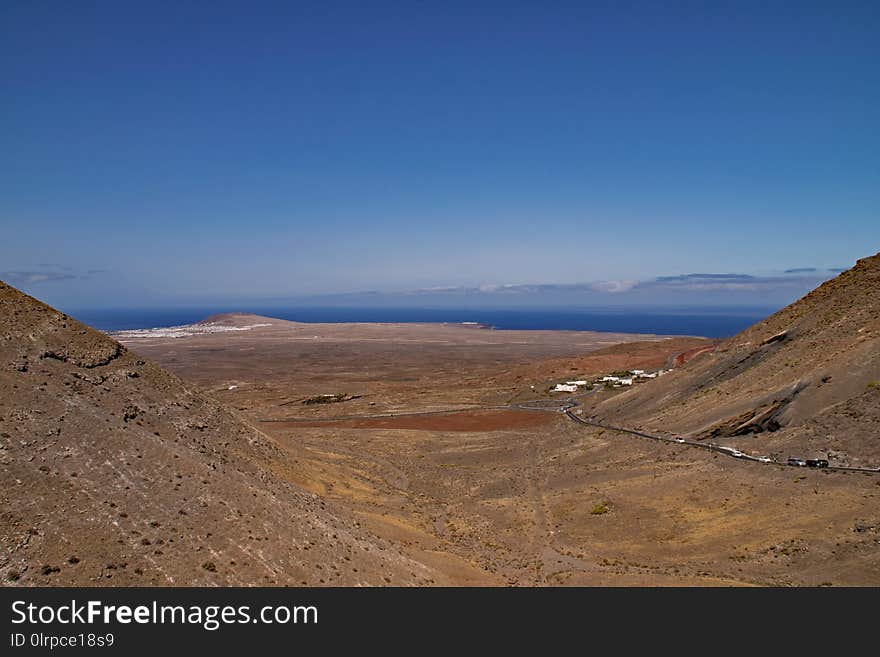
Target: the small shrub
pixel 13 576
pixel 600 508
pixel 210 566
pixel 330 399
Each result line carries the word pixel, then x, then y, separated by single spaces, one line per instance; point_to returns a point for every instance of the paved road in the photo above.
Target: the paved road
pixel 566 405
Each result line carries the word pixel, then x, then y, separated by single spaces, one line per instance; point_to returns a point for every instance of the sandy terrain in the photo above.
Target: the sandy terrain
pixel 115 472
pixel 391 367
pixel 489 420
pixel 515 497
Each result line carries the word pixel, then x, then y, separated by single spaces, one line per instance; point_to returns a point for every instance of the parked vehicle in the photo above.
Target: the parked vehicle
pixel 798 462
pixel 765 459
pixel 817 463
pixel 679 440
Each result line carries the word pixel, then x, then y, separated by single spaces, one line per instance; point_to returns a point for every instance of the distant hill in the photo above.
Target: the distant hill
pixel 116 472
pixel 806 378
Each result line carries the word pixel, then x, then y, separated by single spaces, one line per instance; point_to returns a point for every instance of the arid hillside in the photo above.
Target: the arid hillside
pixel 807 378
pixel 116 472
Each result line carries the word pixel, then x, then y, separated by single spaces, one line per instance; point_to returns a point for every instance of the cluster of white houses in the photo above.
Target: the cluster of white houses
pixel 628 380
pixel 569 386
pixel 615 381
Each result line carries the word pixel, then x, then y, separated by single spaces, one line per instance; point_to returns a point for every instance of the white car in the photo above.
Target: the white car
pixel 735 453
pixel 765 459
pixel 679 440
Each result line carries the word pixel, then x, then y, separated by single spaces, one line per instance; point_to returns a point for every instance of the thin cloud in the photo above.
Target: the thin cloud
pixel 694 286
pixel 702 278
pixel 704 282
pixel 613 287
pixel 795 278
pixel 30 277
pixel 53 265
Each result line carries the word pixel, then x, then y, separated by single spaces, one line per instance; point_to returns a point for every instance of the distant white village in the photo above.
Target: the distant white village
pixel 612 380
pixel 182 331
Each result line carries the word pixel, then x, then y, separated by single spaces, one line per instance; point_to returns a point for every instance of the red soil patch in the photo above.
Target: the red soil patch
pixel 647 355
pixel 690 354
pixel 499 420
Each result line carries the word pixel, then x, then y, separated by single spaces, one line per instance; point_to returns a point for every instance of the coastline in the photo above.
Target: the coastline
pixel 705 322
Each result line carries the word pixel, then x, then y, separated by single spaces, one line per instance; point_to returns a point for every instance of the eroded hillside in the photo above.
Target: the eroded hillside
pixel 116 472
pixel 808 377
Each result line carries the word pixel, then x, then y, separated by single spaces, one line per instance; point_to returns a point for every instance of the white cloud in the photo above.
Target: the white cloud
pixel 27 277
pixel 613 287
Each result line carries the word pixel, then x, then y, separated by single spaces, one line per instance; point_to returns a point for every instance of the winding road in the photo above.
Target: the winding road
pixel 566 405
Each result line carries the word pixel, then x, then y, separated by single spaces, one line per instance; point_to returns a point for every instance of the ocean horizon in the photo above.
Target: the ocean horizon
pixel 715 322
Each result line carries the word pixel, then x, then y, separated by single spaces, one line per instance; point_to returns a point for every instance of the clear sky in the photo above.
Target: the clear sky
pixel 195 151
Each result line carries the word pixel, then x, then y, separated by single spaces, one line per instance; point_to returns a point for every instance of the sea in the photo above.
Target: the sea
pixel 715 322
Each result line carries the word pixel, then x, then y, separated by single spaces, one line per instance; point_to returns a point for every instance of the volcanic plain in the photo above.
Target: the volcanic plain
pixel 413 430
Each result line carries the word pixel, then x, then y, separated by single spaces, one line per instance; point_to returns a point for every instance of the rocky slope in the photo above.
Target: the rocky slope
pixel 115 472
pixel 808 378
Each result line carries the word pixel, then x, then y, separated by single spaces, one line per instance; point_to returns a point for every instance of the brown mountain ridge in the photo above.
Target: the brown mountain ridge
pixel 806 379
pixel 116 472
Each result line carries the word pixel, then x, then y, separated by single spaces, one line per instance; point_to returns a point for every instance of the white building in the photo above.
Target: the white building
pixel 625 382
pixel 575 383
pixel 561 387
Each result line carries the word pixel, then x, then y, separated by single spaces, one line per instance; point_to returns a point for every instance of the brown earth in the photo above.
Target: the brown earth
pixel 116 472
pixel 644 355
pixel 391 368
pixel 558 503
pixel 690 354
pixel 803 382
pixel 473 421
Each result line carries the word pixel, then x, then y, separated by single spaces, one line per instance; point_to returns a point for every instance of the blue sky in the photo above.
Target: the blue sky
pixel 189 152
